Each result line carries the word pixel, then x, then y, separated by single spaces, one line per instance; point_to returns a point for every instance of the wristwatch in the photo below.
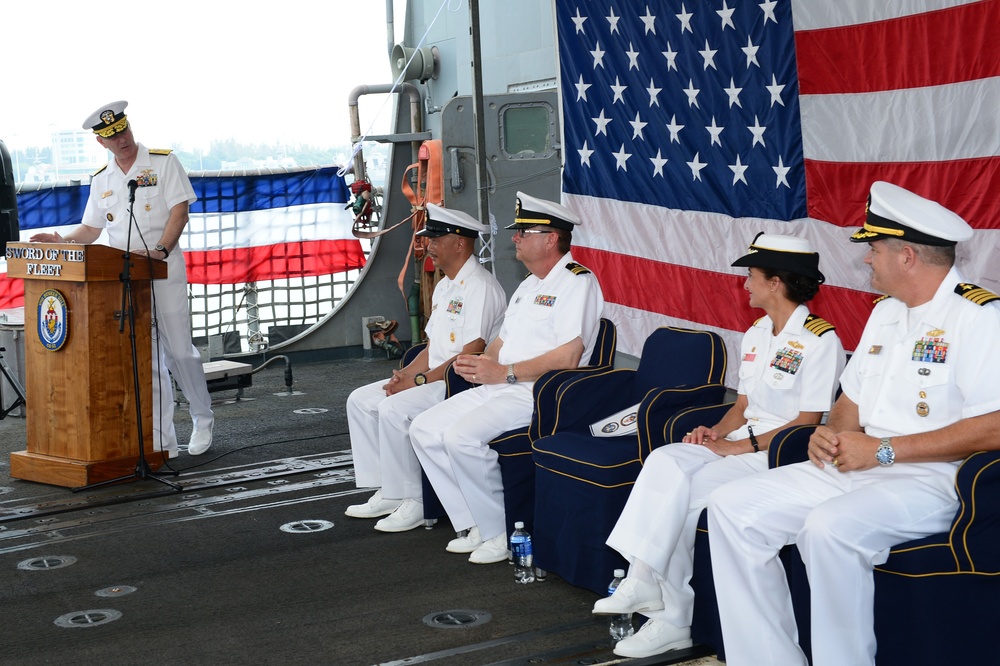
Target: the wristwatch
pixel 511 379
pixel 159 246
pixel 885 454
pixel 420 379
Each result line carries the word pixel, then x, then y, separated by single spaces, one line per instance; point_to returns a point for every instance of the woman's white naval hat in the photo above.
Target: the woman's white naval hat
pixel 108 120
pixel 894 212
pixel 531 211
pixel 443 221
pixel 782 253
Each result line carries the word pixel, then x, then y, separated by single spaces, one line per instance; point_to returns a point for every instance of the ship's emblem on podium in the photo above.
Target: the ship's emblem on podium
pixel 53 321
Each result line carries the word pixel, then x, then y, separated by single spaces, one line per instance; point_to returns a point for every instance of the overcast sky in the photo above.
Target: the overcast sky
pixel 194 70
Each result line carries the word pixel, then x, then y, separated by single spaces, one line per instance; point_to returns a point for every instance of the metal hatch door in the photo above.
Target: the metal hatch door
pixel 523 152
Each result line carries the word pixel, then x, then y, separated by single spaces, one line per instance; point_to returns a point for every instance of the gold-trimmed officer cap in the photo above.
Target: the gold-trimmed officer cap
pixel 108 120
pixel 894 212
pixel 443 221
pixel 531 211
pixel 782 253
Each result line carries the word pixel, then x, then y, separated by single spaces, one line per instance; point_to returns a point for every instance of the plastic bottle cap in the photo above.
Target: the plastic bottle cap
pixel 619 573
pixel 519 525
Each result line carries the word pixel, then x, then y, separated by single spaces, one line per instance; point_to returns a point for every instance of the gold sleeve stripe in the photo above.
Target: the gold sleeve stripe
pixel 818 326
pixel 977 295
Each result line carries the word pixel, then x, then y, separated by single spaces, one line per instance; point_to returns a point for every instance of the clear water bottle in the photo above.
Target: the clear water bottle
pixel 619 626
pixel 520 546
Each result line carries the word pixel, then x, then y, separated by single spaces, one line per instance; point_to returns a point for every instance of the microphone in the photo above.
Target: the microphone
pixel 132 185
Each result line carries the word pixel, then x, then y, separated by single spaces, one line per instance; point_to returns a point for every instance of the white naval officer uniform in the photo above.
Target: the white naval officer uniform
pixel 451 439
pixel 844 523
pixel 781 376
pixel 462 310
pixel 162 184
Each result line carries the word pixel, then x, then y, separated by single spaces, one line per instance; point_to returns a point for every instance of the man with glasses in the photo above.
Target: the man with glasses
pixel 466 313
pixel 551 323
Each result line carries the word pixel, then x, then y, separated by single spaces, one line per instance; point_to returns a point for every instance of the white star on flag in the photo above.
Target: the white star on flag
pixel 653 92
pixel 738 171
pixel 685 20
pixel 602 124
pixel 714 131
pixel 619 91
pixel 649 21
pixel 709 55
pixel 598 55
pixel 637 126
pixel 613 20
pixel 671 57
pixel 658 163
pixel 621 157
pixel 696 167
pixel 726 14
pixel 775 91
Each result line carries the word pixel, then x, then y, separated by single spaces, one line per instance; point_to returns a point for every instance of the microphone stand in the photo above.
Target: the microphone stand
pixel 142 469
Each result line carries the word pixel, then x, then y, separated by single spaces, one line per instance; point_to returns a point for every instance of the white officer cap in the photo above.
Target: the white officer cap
pixel 442 221
pixel 108 120
pixel 531 211
pixel 894 212
pixel 782 253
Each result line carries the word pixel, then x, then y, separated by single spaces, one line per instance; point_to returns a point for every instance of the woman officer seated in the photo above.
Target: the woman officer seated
pixel 790 363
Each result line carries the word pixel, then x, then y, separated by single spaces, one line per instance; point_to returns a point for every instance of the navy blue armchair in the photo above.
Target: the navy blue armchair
pixel 933 596
pixel 581 481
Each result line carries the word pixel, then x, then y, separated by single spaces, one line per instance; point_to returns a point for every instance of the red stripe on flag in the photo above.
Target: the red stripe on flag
pixel 273 262
pixel 909 52
pixel 709 298
pixel 838 191
pixel 11 292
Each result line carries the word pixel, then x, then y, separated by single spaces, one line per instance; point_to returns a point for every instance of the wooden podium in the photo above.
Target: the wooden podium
pixel 81 407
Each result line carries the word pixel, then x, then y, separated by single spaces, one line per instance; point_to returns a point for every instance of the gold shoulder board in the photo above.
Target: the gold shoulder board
pixel 160 151
pixel 880 299
pixel 977 295
pixel 818 326
pixel 576 268
pixel 99 170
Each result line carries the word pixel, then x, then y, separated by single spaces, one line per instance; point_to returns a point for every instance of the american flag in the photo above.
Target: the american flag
pixel 692 125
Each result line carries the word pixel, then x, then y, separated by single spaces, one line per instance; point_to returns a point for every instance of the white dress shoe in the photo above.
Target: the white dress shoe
pixel 200 441
pixel 492 550
pixel 373 508
pixel 655 637
pixel 408 515
pixel 465 544
pixel 632 596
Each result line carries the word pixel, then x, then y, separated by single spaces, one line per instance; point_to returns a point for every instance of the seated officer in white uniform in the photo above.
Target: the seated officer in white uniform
pixel 920 393
pixel 152 185
pixel 551 323
pixel 466 312
pixel 791 361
